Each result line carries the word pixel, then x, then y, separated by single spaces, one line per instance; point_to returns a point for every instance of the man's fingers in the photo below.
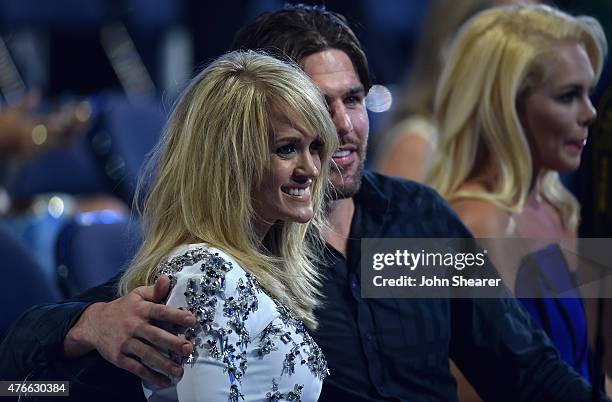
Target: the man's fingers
pixel 164 340
pixel 135 367
pixel 155 293
pixel 158 293
pixel 161 289
pixel 171 315
pixel 151 357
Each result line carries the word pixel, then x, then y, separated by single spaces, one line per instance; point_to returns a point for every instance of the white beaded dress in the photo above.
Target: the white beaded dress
pixel 248 346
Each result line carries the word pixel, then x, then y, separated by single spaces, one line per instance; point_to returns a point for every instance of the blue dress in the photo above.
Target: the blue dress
pixel 542 275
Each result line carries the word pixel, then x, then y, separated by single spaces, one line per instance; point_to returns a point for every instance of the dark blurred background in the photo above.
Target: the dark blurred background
pixel 57 43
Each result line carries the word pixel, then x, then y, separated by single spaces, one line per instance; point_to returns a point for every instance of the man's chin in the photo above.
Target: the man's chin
pixel 345 188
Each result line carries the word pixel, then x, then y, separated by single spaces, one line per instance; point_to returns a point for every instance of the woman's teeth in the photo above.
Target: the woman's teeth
pixel 297 191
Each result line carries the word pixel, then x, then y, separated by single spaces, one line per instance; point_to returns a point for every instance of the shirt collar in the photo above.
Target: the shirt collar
pixel 372 207
pixel 370 194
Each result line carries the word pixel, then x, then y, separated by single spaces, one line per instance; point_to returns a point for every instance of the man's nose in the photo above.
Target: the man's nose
pixel 342 120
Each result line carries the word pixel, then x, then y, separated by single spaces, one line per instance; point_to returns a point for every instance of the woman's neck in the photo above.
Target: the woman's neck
pixel 261 229
pixel 535 187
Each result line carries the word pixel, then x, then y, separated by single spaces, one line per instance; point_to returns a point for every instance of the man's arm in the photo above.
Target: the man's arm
pixel 121 330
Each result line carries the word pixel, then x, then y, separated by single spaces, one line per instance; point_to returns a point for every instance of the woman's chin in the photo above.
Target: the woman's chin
pixel 301 217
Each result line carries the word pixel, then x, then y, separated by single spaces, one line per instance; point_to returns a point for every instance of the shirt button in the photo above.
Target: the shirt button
pixel 369 336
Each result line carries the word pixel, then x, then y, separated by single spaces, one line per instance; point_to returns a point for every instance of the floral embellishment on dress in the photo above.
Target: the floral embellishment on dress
pixel 277 396
pixel 308 352
pixel 221 332
pixel 202 297
pixel 213 266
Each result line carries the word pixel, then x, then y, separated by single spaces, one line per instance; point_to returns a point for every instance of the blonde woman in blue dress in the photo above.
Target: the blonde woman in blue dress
pixel 233 216
pixel 513 111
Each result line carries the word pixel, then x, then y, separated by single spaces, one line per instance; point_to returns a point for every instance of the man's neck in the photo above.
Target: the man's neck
pixel 339 218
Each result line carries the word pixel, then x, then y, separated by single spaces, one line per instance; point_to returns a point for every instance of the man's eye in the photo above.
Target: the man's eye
pixel 352 100
pixel 285 150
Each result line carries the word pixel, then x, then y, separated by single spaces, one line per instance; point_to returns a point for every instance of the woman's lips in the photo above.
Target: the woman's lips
pixel 576 145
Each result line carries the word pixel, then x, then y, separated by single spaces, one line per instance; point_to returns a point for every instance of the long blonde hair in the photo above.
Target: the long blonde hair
pixel 499 56
pixel 214 152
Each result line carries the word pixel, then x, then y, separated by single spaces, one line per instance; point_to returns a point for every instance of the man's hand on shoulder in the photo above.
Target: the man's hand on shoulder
pixel 124 333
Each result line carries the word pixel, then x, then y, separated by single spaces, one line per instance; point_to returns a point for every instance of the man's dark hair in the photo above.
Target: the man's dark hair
pixel 297 31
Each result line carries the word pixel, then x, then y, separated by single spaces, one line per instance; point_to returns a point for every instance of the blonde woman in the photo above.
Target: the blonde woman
pixel 513 110
pixel 239 186
pixel 407 145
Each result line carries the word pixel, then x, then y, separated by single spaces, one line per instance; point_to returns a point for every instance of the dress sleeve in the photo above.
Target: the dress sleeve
pixel 224 298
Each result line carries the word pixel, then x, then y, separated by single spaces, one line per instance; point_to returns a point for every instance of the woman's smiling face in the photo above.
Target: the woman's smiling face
pixel 295 162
